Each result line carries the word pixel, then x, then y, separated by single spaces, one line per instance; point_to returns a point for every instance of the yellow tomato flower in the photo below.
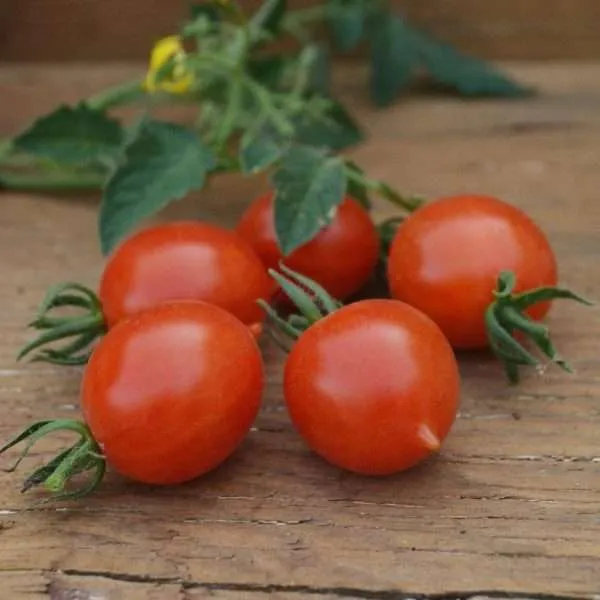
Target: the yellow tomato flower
pixel 181 79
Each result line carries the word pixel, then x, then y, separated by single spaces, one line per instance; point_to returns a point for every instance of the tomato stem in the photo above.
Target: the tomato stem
pixel 83 457
pixel 81 330
pixel 125 93
pixel 505 316
pixel 311 299
pixel 406 203
pixel 44 181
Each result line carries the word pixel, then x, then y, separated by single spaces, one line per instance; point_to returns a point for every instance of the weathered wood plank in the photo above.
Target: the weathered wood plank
pixel 94 586
pixel 510 505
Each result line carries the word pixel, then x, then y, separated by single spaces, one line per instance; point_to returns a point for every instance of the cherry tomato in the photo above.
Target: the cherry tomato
pixel 184 261
pixel 341 257
pixel 446 257
pixel 170 393
pixel 373 387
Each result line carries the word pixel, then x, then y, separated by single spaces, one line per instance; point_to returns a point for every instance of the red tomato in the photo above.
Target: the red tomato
pixel 341 257
pixel 184 261
pixel 373 387
pixel 170 393
pixel 446 258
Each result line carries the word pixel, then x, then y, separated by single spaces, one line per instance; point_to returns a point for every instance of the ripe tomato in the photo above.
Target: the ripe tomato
pixel 373 387
pixel 341 257
pixel 446 257
pixel 171 392
pixel 183 261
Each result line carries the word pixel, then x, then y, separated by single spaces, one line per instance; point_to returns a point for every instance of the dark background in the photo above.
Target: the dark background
pixel 58 30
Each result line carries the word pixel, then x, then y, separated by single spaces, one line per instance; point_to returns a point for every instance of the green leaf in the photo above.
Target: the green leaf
pixel 269 16
pixel 162 162
pixel 467 75
pixel 204 21
pixel 335 129
pixel 309 184
pixel 393 57
pixel 204 9
pixel 320 70
pixel 259 151
pixel 347 22
pixel 72 135
pixel 268 70
pixel 356 186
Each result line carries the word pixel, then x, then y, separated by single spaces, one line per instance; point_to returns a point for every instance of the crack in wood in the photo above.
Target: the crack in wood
pixel 273 522
pixel 341 592
pixel 542 458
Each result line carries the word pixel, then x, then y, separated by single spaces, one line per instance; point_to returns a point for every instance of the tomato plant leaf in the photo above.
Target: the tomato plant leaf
pixel 72 135
pixel 335 128
pixel 259 151
pixel 346 22
pixel 268 70
pixel 393 57
pixel 309 184
pixel 397 50
pixel 162 162
pixel 467 75
pixel 204 9
pixel 269 16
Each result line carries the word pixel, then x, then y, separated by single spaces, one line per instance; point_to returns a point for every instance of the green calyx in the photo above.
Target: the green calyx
pixel 80 330
pixel 506 316
pixel 83 457
pixel 311 300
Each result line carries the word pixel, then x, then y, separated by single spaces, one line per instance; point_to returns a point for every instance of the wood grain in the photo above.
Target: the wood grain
pixel 509 507
pixel 75 30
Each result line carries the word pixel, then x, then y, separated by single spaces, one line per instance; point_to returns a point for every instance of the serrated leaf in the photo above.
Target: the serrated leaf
pixel 309 184
pixel 335 129
pixel 467 75
pixel 72 135
pixel 259 151
pixel 393 57
pixel 356 189
pixel 163 162
pixel 347 22
pixel 269 16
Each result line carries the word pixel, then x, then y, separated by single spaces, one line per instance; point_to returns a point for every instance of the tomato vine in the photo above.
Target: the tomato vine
pixel 258 110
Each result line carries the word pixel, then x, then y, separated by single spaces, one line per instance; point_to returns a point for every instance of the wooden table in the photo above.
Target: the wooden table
pixel 511 506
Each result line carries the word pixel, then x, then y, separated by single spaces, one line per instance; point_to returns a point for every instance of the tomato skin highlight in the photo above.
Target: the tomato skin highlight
pixel 373 388
pixel 446 257
pixel 183 261
pixel 341 257
pixel 170 393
